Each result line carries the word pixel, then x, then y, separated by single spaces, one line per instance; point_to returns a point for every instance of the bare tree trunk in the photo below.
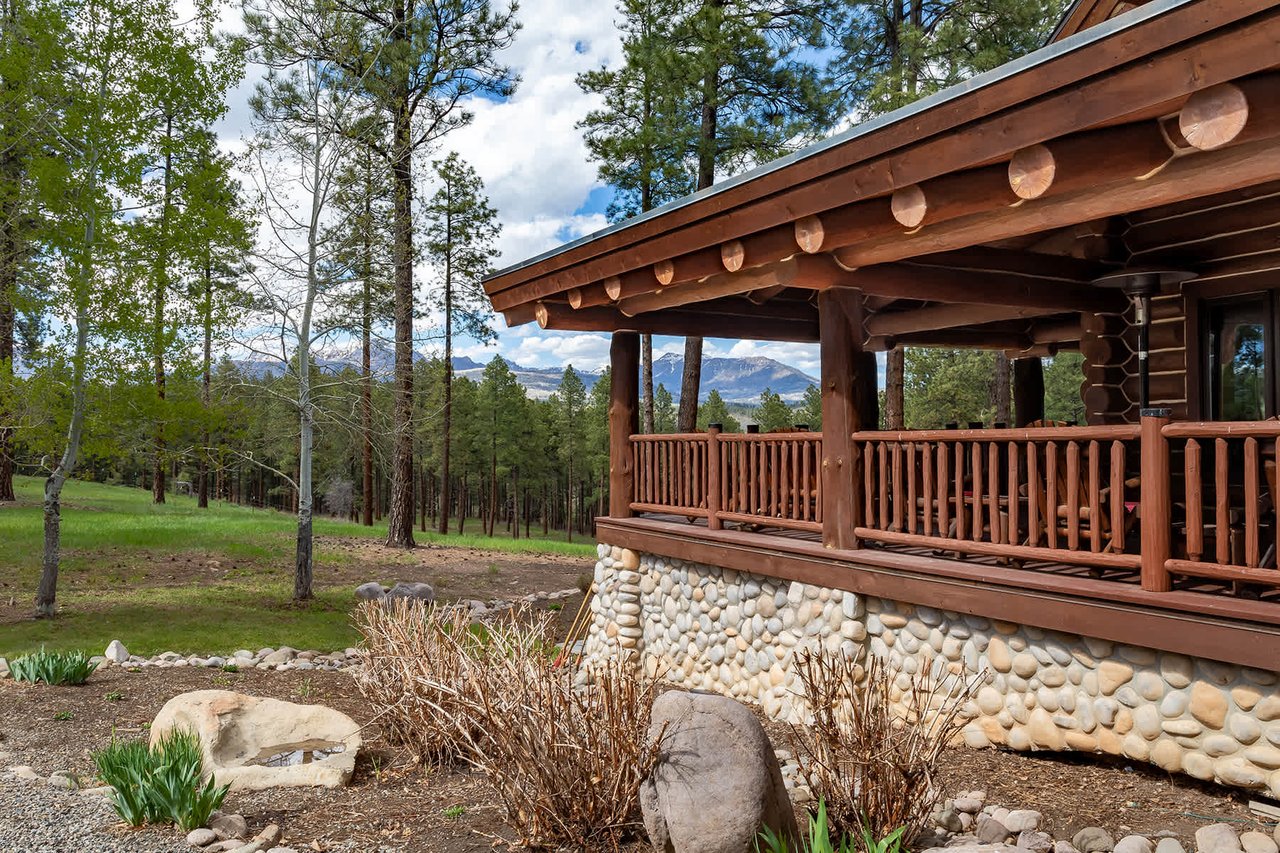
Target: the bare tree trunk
pixel 894 381
pixel 400 514
pixel 8 292
pixel 1002 404
pixel 646 381
pixel 158 331
pixel 206 381
pixel 366 404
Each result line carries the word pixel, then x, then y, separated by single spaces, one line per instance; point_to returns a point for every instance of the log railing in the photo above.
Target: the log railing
pixel 1050 494
pixel 1224 494
pixel 762 479
pixel 1166 500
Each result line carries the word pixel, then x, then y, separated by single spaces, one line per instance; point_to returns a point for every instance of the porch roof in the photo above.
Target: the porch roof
pixel 991 205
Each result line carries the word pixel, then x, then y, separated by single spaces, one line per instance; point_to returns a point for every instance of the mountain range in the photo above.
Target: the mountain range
pixel 738 380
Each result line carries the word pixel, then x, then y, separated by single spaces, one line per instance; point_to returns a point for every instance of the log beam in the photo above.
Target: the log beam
pixel 809 272
pixel 936 284
pixel 766 247
pixel 624 419
pixel 846 225
pixel 678 322
pixel 1056 332
pixel 1088 159
pixel 588 296
pixel 952 339
pixel 950 316
pixel 1232 113
pixel 690 267
pixel 1052 267
pixel 1185 178
pixel 631 283
pixel 951 196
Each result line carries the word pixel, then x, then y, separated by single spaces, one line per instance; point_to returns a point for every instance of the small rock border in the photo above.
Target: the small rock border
pixel 966 824
pixel 286 658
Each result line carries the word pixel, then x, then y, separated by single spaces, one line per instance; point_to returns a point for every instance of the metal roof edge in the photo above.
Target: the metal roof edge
pixel 1040 56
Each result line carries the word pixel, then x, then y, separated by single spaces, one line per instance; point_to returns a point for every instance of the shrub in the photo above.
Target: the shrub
pixel 565 761
pixel 52 667
pixel 871 751
pixel 819 839
pixel 416 659
pixel 162 783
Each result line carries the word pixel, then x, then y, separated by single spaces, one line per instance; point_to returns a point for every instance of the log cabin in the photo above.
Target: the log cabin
pixel 1113 583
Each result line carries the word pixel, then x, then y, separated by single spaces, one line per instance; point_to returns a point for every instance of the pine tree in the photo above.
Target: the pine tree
pixel 716 411
pixel 757 97
pixel 642 133
pixel 773 414
pixel 418 61
pixel 664 410
pixel 461 231
pixel 809 412
pixel 570 400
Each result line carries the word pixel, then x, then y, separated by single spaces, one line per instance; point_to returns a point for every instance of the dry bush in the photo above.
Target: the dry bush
pixel 566 762
pixel 872 749
pixel 417 659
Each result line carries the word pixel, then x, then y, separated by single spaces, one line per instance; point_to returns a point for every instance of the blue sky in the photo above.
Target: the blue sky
pixel 531 157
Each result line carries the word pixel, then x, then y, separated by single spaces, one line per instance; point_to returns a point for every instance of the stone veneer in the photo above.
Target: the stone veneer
pixel 733 632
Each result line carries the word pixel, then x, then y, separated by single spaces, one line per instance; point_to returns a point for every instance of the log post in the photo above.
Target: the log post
pixel 841 332
pixel 624 419
pixel 713 476
pixel 1028 391
pixel 1155 508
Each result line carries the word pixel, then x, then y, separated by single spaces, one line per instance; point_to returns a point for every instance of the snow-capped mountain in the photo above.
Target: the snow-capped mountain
pixel 739 380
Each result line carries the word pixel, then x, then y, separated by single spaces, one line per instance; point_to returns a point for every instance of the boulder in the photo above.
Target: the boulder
pixel 1022 820
pixel 1217 838
pixel 1133 844
pixel 201 837
pixel 418 591
pixel 116 653
pixel 228 826
pixel 990 831
pixel 371 591
pixel 717 782
pixel 1035 841
pixel 1258 842
pixel 1093 839
pixel 1169 845
pixel 252 743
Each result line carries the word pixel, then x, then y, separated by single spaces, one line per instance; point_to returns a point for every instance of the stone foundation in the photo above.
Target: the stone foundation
pixel 709 628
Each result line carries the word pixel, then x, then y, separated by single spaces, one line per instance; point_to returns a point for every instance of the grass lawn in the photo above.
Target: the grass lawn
pixel 175 577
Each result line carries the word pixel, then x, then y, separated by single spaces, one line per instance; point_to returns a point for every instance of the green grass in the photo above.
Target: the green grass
pixel 117 544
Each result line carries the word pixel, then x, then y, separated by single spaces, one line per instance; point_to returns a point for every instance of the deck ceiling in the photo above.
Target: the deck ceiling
pixel 978 220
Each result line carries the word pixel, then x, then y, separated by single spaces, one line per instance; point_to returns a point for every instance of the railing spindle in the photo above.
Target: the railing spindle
pixel 1073 495
pixel 1051 489
pixel 1011 528
pixel 926 468
pixel 1195 500
pixel 911 487
pixel 975 487
pixel 1117 496
pixel 897 486
pixel 1252 552
pixel 1095 498
pixel 1222 518
pixel 1033 494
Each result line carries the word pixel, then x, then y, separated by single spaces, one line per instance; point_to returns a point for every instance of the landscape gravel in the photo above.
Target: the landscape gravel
pixel 35 818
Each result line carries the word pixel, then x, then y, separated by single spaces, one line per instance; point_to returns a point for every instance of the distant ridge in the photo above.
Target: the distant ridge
pixel 738 380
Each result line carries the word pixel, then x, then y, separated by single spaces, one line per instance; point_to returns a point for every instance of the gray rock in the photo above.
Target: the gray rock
pixel 201 837
pixel 1133 844
pixel 63 779
pixel 116 652
pixel 24 772
pixel 948 818
pixel 1022 820
pixel 969 846
pixel 228 826
pixel 4 668
pixel 970 804
pixel 417 591
pixel 371 591
pixel 1169 845
pixel 1276 834
pixel 717 782
pixel 1037 842
pixel 990 831
pixel 1093 839
pixel 1064 847
pixel 1258 842
pixel 282 850
pixel 1217 838
pixel 279 657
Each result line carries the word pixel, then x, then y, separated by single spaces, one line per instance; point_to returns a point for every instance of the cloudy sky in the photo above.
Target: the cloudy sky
pixel 535 168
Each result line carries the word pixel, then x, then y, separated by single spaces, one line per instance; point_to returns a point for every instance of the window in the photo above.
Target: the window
pixel 1240 351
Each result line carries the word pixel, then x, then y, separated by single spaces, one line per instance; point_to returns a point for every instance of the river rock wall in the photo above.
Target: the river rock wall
pixel 709 628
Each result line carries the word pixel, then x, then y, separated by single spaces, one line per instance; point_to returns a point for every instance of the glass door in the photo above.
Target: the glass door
pixel 1240 350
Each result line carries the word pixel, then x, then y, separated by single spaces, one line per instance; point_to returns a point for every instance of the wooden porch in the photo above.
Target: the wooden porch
pixel 1116 193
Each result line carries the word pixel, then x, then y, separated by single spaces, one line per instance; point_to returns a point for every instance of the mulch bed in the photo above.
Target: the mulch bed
pixel 394 803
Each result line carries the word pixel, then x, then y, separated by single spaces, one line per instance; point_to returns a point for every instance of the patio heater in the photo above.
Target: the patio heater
pixel 1140 284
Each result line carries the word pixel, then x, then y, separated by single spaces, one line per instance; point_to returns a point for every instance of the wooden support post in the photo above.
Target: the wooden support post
pixel 841 333
pixel 624 419
pixel 713 477
pixel 1028 391
pixel 1156 508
